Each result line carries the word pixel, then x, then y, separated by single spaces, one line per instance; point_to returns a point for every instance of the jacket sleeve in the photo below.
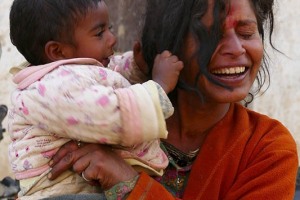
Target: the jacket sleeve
pixel 91 105
pixel 147 188
pixel 126 66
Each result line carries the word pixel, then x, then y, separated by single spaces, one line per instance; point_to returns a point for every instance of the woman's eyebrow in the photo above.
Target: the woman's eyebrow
pixel 233 23
pixel 246 22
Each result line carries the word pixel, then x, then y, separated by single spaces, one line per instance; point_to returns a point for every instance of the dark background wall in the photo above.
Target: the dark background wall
pixel 126 16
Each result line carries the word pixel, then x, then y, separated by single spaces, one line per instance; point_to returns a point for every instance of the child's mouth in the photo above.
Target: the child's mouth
pixel 105 62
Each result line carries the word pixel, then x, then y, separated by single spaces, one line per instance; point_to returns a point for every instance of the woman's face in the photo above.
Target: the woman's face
pixel 236 60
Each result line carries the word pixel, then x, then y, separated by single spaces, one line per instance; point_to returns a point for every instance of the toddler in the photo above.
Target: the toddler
pixel 75 90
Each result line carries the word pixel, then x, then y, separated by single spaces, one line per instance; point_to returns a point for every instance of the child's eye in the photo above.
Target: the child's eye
pixel 100 33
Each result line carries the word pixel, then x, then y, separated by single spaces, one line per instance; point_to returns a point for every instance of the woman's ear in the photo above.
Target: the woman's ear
pixel 57 51
pixel 139 58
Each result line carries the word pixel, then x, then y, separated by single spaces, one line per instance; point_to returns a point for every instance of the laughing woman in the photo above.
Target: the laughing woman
pixel 217 148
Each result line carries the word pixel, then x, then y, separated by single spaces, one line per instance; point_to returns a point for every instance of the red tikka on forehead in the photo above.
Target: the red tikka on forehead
pixel 230 22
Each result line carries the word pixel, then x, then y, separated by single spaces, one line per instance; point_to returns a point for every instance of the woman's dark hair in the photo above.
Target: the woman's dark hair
pixel 33 23
pixel 168 21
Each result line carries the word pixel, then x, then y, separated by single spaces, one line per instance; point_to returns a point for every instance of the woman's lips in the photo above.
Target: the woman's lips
pixel 230 75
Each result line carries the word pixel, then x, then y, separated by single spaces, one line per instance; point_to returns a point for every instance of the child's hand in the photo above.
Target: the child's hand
pixel 166 70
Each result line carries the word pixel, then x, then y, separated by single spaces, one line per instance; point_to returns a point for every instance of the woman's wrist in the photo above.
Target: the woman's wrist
pixel 121 190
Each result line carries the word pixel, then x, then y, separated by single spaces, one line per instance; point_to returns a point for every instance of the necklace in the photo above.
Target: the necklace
pixel 181 158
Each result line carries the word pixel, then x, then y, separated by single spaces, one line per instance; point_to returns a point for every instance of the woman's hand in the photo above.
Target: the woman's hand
pixel 97 162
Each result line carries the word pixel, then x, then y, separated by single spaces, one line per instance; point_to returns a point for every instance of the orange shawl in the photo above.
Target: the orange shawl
pixel 245 156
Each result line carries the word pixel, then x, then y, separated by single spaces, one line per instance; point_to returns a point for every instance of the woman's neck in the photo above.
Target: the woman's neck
pixel 192 120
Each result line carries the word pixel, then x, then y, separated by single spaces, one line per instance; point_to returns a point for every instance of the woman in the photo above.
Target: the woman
pixel 217 148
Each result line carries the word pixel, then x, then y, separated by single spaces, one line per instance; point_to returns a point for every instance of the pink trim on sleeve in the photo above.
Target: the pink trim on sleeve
pixel 31 172
pixel 131 121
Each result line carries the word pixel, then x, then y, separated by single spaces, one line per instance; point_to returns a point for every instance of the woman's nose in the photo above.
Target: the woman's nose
pixel 231 44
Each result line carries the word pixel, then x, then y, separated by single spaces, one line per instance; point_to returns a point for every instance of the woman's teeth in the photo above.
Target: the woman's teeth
pixel 229 71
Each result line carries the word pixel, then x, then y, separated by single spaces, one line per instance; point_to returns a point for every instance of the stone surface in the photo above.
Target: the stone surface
pixel 126 21
pixel 281 101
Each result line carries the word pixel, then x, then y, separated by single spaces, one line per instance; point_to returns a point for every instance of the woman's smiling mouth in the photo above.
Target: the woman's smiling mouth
pixel 229 71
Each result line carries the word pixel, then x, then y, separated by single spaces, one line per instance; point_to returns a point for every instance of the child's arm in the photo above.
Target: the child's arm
pixel 166 70
pixel 131 65
pixel 77 106
pixel 127 67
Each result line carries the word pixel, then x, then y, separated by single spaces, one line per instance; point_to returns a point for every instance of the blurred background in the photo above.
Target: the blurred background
pixel 281 101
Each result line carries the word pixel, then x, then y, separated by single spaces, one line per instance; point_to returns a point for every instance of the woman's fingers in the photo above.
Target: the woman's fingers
pixel 63 151
pixel 96 162
pixel 61 166
pixel 67 156
pixel 93 158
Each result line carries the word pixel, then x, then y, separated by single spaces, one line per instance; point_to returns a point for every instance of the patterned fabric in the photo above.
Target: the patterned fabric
pixel 78 197
pixel 126 66
pixel 175 177
pixel 121 190
pixel 166 105
pixel 174 180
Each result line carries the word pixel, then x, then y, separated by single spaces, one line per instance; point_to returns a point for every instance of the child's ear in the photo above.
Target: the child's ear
pixel 139 58
pixel 56 51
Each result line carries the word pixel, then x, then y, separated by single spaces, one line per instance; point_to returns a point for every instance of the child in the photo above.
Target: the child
pixel 67 94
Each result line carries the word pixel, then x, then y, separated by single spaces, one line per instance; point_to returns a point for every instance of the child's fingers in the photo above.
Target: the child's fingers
pixel 166 54
pixel 180 65
pixel 173 58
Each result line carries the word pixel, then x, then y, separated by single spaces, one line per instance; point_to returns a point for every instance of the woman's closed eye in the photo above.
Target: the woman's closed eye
pixel 246 34
pixel 247 31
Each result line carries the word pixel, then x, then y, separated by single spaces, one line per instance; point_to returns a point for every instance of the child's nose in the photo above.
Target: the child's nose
pixel 113 40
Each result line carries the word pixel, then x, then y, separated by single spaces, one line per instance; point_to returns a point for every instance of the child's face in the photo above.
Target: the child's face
pixel 92 36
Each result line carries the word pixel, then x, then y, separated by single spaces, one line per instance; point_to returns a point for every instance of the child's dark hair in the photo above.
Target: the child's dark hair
pixel 35 22
pixel 168 21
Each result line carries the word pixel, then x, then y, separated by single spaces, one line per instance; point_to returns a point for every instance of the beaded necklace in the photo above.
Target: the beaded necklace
pixel 181 158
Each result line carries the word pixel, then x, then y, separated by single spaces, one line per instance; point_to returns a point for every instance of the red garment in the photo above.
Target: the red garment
pixel 245 156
